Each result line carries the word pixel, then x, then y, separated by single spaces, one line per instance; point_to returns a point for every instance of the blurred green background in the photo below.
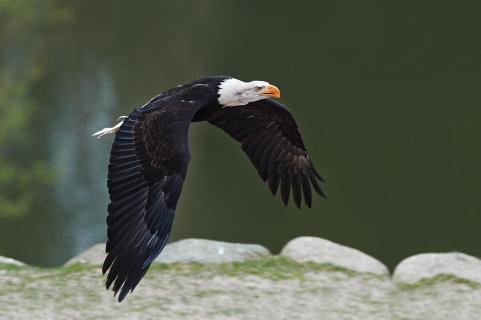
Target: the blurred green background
pixel 387 95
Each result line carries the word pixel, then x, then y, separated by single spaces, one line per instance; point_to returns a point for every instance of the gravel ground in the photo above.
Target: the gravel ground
pixel 270 288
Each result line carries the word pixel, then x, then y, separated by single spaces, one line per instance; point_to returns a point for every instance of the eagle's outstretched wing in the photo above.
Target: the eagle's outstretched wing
pixel 144 188
pixel 270 138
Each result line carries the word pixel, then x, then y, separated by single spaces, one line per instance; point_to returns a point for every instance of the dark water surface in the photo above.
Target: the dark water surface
pixel 387 95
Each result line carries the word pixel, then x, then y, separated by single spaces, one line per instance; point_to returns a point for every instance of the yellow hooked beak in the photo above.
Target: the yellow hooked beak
pixel 271 91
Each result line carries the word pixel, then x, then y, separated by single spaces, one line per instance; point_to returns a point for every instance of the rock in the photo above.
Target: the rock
pixel 429 265
pixel 5 260
pixel 319 250
pixel 93 255
pixel 263 289
pixel 209 251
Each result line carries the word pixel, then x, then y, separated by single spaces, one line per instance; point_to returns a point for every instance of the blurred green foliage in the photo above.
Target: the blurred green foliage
pixel 24 26
pixel 20 17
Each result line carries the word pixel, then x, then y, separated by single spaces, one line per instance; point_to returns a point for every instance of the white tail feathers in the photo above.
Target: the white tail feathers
pixel 99 134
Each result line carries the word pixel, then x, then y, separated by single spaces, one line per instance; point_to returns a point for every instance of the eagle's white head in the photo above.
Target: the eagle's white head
pixel 234 92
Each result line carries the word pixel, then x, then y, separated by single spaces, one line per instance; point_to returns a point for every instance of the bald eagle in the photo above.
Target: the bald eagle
pixel 150 154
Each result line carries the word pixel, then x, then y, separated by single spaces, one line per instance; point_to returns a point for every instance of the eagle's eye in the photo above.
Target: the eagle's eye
pixel 259 88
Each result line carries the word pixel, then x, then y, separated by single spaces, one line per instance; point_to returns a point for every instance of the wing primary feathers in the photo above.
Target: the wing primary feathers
pixel 315 184
pixel 143 198
pixel 306 188
pixel 285 188
pixel 296 189
pixel 264 159
pixel 270 137
pixel 317 174
pixel 274 184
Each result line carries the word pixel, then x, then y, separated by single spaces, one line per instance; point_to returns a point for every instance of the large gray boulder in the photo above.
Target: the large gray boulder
pixel 93 255
pixel 5 260
pixel 304 249
pixel 209 251
pixel 429 265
